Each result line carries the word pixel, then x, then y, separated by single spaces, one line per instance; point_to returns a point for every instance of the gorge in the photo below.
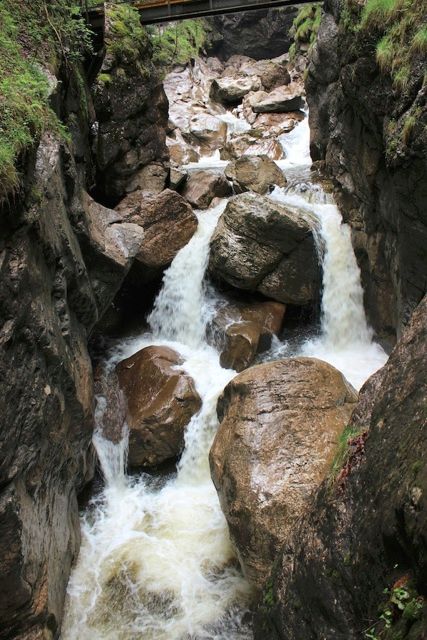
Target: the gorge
pixel 213 349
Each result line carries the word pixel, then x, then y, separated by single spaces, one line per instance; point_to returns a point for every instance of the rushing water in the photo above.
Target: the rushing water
pixel 156 561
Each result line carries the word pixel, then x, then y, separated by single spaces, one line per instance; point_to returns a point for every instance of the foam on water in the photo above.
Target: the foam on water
pixel 157 563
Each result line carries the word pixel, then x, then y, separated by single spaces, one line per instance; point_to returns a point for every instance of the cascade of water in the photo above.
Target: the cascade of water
pixel 346 341
pixel 156 562
pixel 180 309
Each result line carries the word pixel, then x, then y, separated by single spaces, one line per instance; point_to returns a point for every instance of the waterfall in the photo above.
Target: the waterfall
pixel 345 341
pixel 156 561
pixel 180 309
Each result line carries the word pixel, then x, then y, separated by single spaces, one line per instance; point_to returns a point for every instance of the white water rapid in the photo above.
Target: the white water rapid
pixel 345 340
pixel 156 561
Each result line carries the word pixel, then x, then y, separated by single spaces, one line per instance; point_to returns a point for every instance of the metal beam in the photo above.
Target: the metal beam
pixel 169 10
pixel 203 8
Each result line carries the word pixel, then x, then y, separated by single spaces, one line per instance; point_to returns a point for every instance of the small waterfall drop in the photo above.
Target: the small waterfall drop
pixel 156 561
pixel 180 309
pixel 345 341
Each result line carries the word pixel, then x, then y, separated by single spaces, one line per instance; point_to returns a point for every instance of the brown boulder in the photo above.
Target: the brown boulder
pixel 160 403
pixel 241 330
pixel 203 186
pixel 365 534
pixel 231 90
pixel 262 245
pixel 252 145
pixel 168 222
pixel 282 99
pixel 279 427
pixel 255 173
pixel 110 243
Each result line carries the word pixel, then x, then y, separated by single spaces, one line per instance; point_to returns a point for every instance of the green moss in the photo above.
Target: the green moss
pixel 399 614
pixel 32 34
pixel 305 27
pixel 128 40
pixel 178 42
pixel 397 28
pixel 343 451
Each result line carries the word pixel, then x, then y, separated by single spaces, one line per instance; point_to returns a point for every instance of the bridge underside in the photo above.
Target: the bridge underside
pixel 175 10
pixel 204 8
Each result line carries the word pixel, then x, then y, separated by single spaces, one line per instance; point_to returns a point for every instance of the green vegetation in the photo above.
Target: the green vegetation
pixel 398 31
pixel 32 35
pixel 342 455
pixel 400 615
pixel 305 28
pixel 128 40
pixel 179 42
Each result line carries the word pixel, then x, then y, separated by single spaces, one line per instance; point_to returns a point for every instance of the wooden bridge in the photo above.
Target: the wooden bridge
pixel 155 11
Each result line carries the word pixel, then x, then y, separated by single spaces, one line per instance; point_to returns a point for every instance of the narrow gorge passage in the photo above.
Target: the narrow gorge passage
pixel 156 561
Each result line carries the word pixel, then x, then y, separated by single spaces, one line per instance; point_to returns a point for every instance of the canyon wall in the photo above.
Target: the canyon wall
pixel 371 137
pixel 62 259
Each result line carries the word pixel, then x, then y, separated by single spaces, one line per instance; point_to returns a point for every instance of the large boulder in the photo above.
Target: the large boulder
pixel 262 245
pixel 231 90
pixel 168 222
pixel 279 428
pixel 255 173
pixel 242 330
pixel 109 243
pixel 203 186
pixel 206 132
pixel 252 143
pixel 161 401
pixel 272 73
pixel 280 100
pixel 363 543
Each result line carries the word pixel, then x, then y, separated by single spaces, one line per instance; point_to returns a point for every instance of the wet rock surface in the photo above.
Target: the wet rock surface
pixel 279 428
pixel 242 330
pixel 132 111
pixel 356 120
pixel 47 308
pixel 259 34
pixel 168 223
pixel 262 245
pixel 203 186
pixel 283 99
pixel 365 533
pixel 161 400
pixel 255 173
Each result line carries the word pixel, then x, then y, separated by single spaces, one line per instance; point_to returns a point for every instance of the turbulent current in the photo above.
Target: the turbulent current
pixel 156 562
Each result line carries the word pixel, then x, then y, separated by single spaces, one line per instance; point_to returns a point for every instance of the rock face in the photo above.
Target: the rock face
pixel 367 532
pixel 47 308
pixel 279 427
pixel 203 186
pixel 258 34
pixel 261 245
pixel 254 173
pixel 109 244
pixel 241 330
pixel 168 222
pixel 160 404
pixel 357 125
pixel 132 112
